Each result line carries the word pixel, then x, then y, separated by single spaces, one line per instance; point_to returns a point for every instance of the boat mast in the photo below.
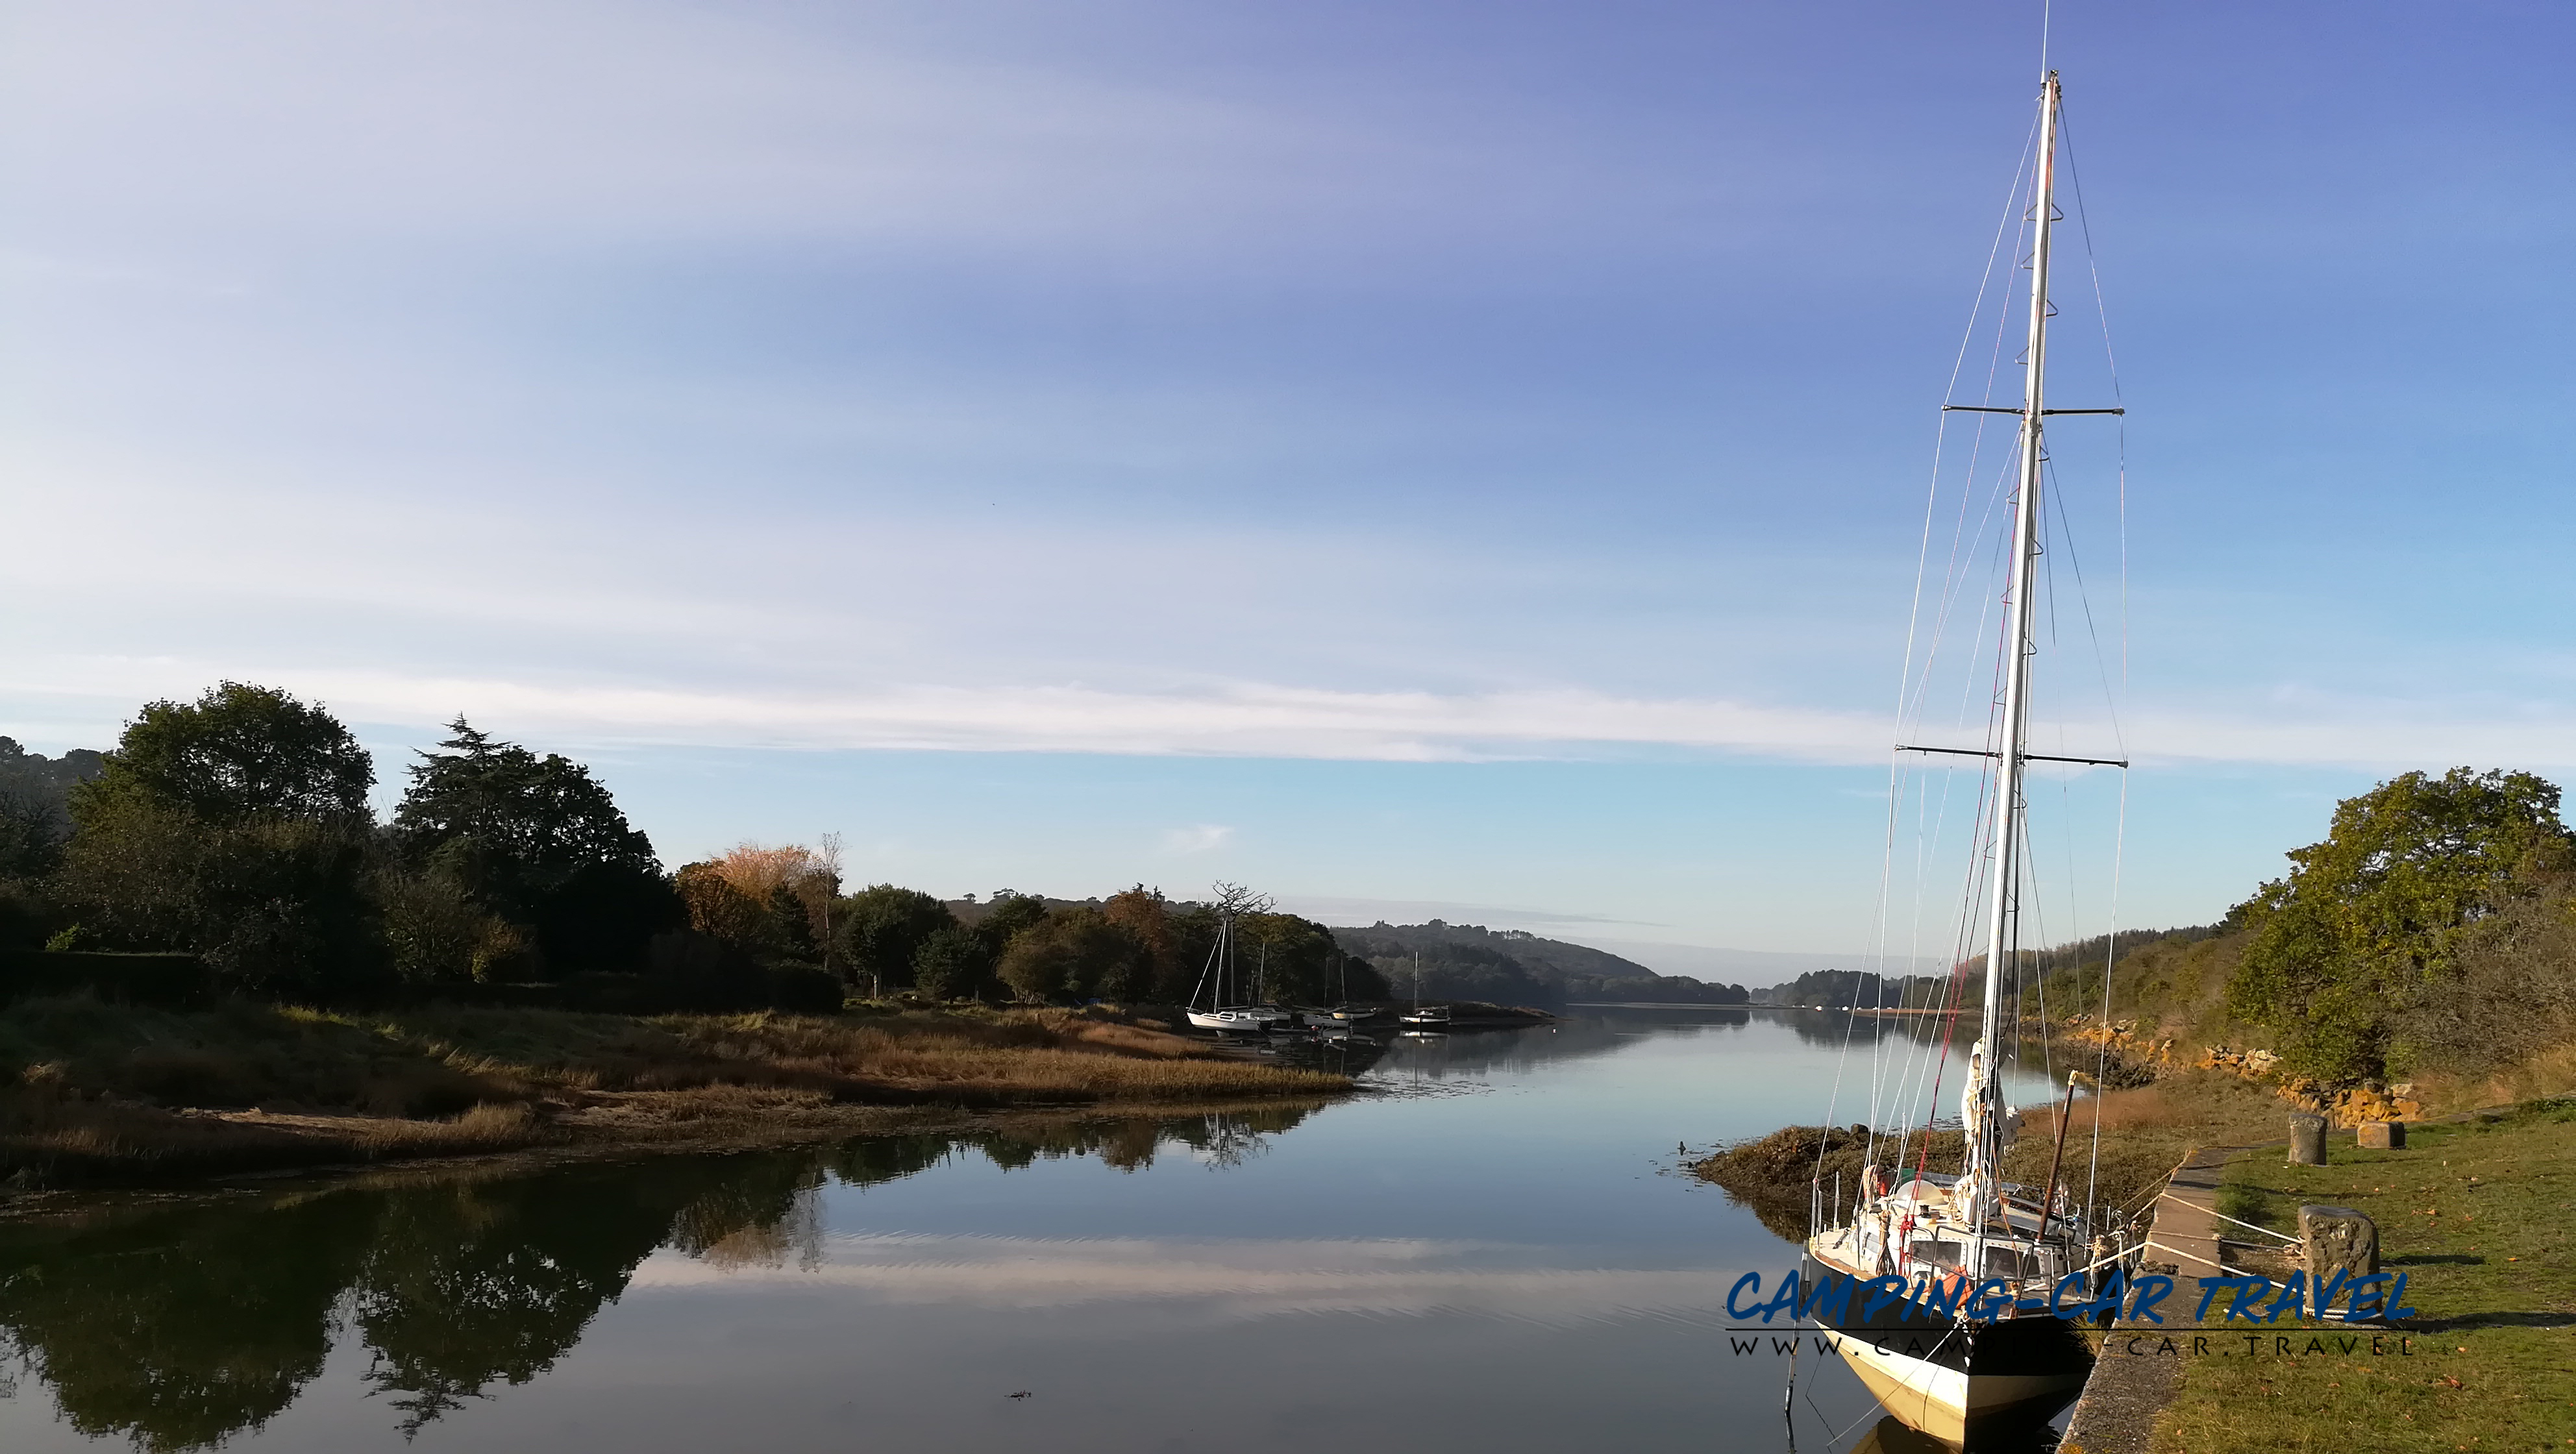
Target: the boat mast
pixel 2006 903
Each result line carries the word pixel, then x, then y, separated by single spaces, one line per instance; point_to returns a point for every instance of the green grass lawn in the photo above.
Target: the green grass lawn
pixel 2478 1215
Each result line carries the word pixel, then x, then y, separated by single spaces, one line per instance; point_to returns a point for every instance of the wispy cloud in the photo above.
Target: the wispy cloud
pixel 1244 720
pixel 1198 838
pixel 1258 719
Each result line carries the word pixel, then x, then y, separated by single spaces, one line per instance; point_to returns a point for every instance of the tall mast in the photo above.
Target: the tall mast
pixel 2005 854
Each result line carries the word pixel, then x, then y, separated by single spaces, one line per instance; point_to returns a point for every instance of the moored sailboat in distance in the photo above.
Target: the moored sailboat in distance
pixel 1987 1349
pixel 1215 978
pixel 1423 1019
pixel 1344 1017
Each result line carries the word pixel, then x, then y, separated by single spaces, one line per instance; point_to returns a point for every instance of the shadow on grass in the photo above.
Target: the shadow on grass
pixel 2562 1318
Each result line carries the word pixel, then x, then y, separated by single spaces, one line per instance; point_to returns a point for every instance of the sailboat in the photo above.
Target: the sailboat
pixel 1214 977
pixel 1422 1019
pixel 1343 1018
pixel 2004 1359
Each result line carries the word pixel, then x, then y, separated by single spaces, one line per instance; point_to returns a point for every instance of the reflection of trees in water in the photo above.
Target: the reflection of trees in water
pixel 1220 1138
pixel 1831 1027
pixel 179 1326
pixel 182 1329
pixel 1579 1035
pixel 491 1281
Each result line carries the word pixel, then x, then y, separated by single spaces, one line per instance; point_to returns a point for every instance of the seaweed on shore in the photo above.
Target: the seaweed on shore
pixel 1775 1175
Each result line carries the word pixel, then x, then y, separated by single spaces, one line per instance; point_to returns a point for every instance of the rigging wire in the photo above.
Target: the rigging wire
pixel 2110 961
pixel 2119 837
pixel 2033 975
pixel 1911 1081
pixel 1913 622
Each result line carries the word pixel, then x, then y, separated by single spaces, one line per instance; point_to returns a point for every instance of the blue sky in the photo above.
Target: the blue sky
pixel 1459 458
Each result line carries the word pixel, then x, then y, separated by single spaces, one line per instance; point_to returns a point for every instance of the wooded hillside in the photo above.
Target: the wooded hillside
pixel 1515 967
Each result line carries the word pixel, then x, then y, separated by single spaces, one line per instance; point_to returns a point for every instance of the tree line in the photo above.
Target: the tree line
pixel 238 829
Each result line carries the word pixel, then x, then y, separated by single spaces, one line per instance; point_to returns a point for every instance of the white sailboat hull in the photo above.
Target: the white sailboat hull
pixel 1945 1402
pixel 1238 1020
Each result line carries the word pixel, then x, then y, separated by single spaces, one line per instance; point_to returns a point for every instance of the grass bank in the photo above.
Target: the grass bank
pixel 97 1092
pixel 2476 1213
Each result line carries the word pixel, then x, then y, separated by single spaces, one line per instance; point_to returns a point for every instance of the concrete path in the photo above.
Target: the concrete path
pixel 2118 1409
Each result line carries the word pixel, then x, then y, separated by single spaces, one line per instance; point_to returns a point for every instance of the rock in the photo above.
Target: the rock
pixel 2307 1140
pixel 2383 1135
pixel 2338 1239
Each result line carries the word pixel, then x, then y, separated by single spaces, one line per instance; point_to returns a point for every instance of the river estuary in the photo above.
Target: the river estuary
pixel 1492 1251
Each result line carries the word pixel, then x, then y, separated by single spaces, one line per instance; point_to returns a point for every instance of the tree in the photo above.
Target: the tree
pixel 31 842
pixel 721 911
pixel 1007 915
pixel 882 929
pixel 35 815
pixel 796 884
pixel 1074 952
pixel 540 843
pixel 435 932
pixel 510 825
pixel 827 859
pixel 1295 960
pixel 2369 922
pixel 237 828
pixel 760 870
pixel 950 964
pixel 276 906
pixel 236 753
pixel 1146 917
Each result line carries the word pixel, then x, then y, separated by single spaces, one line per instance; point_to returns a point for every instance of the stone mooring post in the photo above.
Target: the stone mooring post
pixel 2307 1139
pixel 2337 1239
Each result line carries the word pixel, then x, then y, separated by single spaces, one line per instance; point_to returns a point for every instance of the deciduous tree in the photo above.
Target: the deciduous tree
pixel 236 753
pixel 235 827
pixel 1074 952
pixel 882 929
pixel 951 964
pixel 2369 922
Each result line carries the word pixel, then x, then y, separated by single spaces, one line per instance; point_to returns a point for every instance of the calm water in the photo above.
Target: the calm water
pixel 1493 1255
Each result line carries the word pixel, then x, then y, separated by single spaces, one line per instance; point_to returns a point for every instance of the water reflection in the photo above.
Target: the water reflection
pixel 1473 1055
pixel 178 1326
pixel 1494 1262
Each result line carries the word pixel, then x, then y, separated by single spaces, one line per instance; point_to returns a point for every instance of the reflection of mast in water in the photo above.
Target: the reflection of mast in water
pixel 1229 1142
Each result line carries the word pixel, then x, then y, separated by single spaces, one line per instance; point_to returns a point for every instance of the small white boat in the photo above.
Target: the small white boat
pixel 1239 1019
pixel 1422 1016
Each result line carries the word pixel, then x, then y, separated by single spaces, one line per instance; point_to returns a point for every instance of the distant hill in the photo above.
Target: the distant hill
pixel 1515 967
